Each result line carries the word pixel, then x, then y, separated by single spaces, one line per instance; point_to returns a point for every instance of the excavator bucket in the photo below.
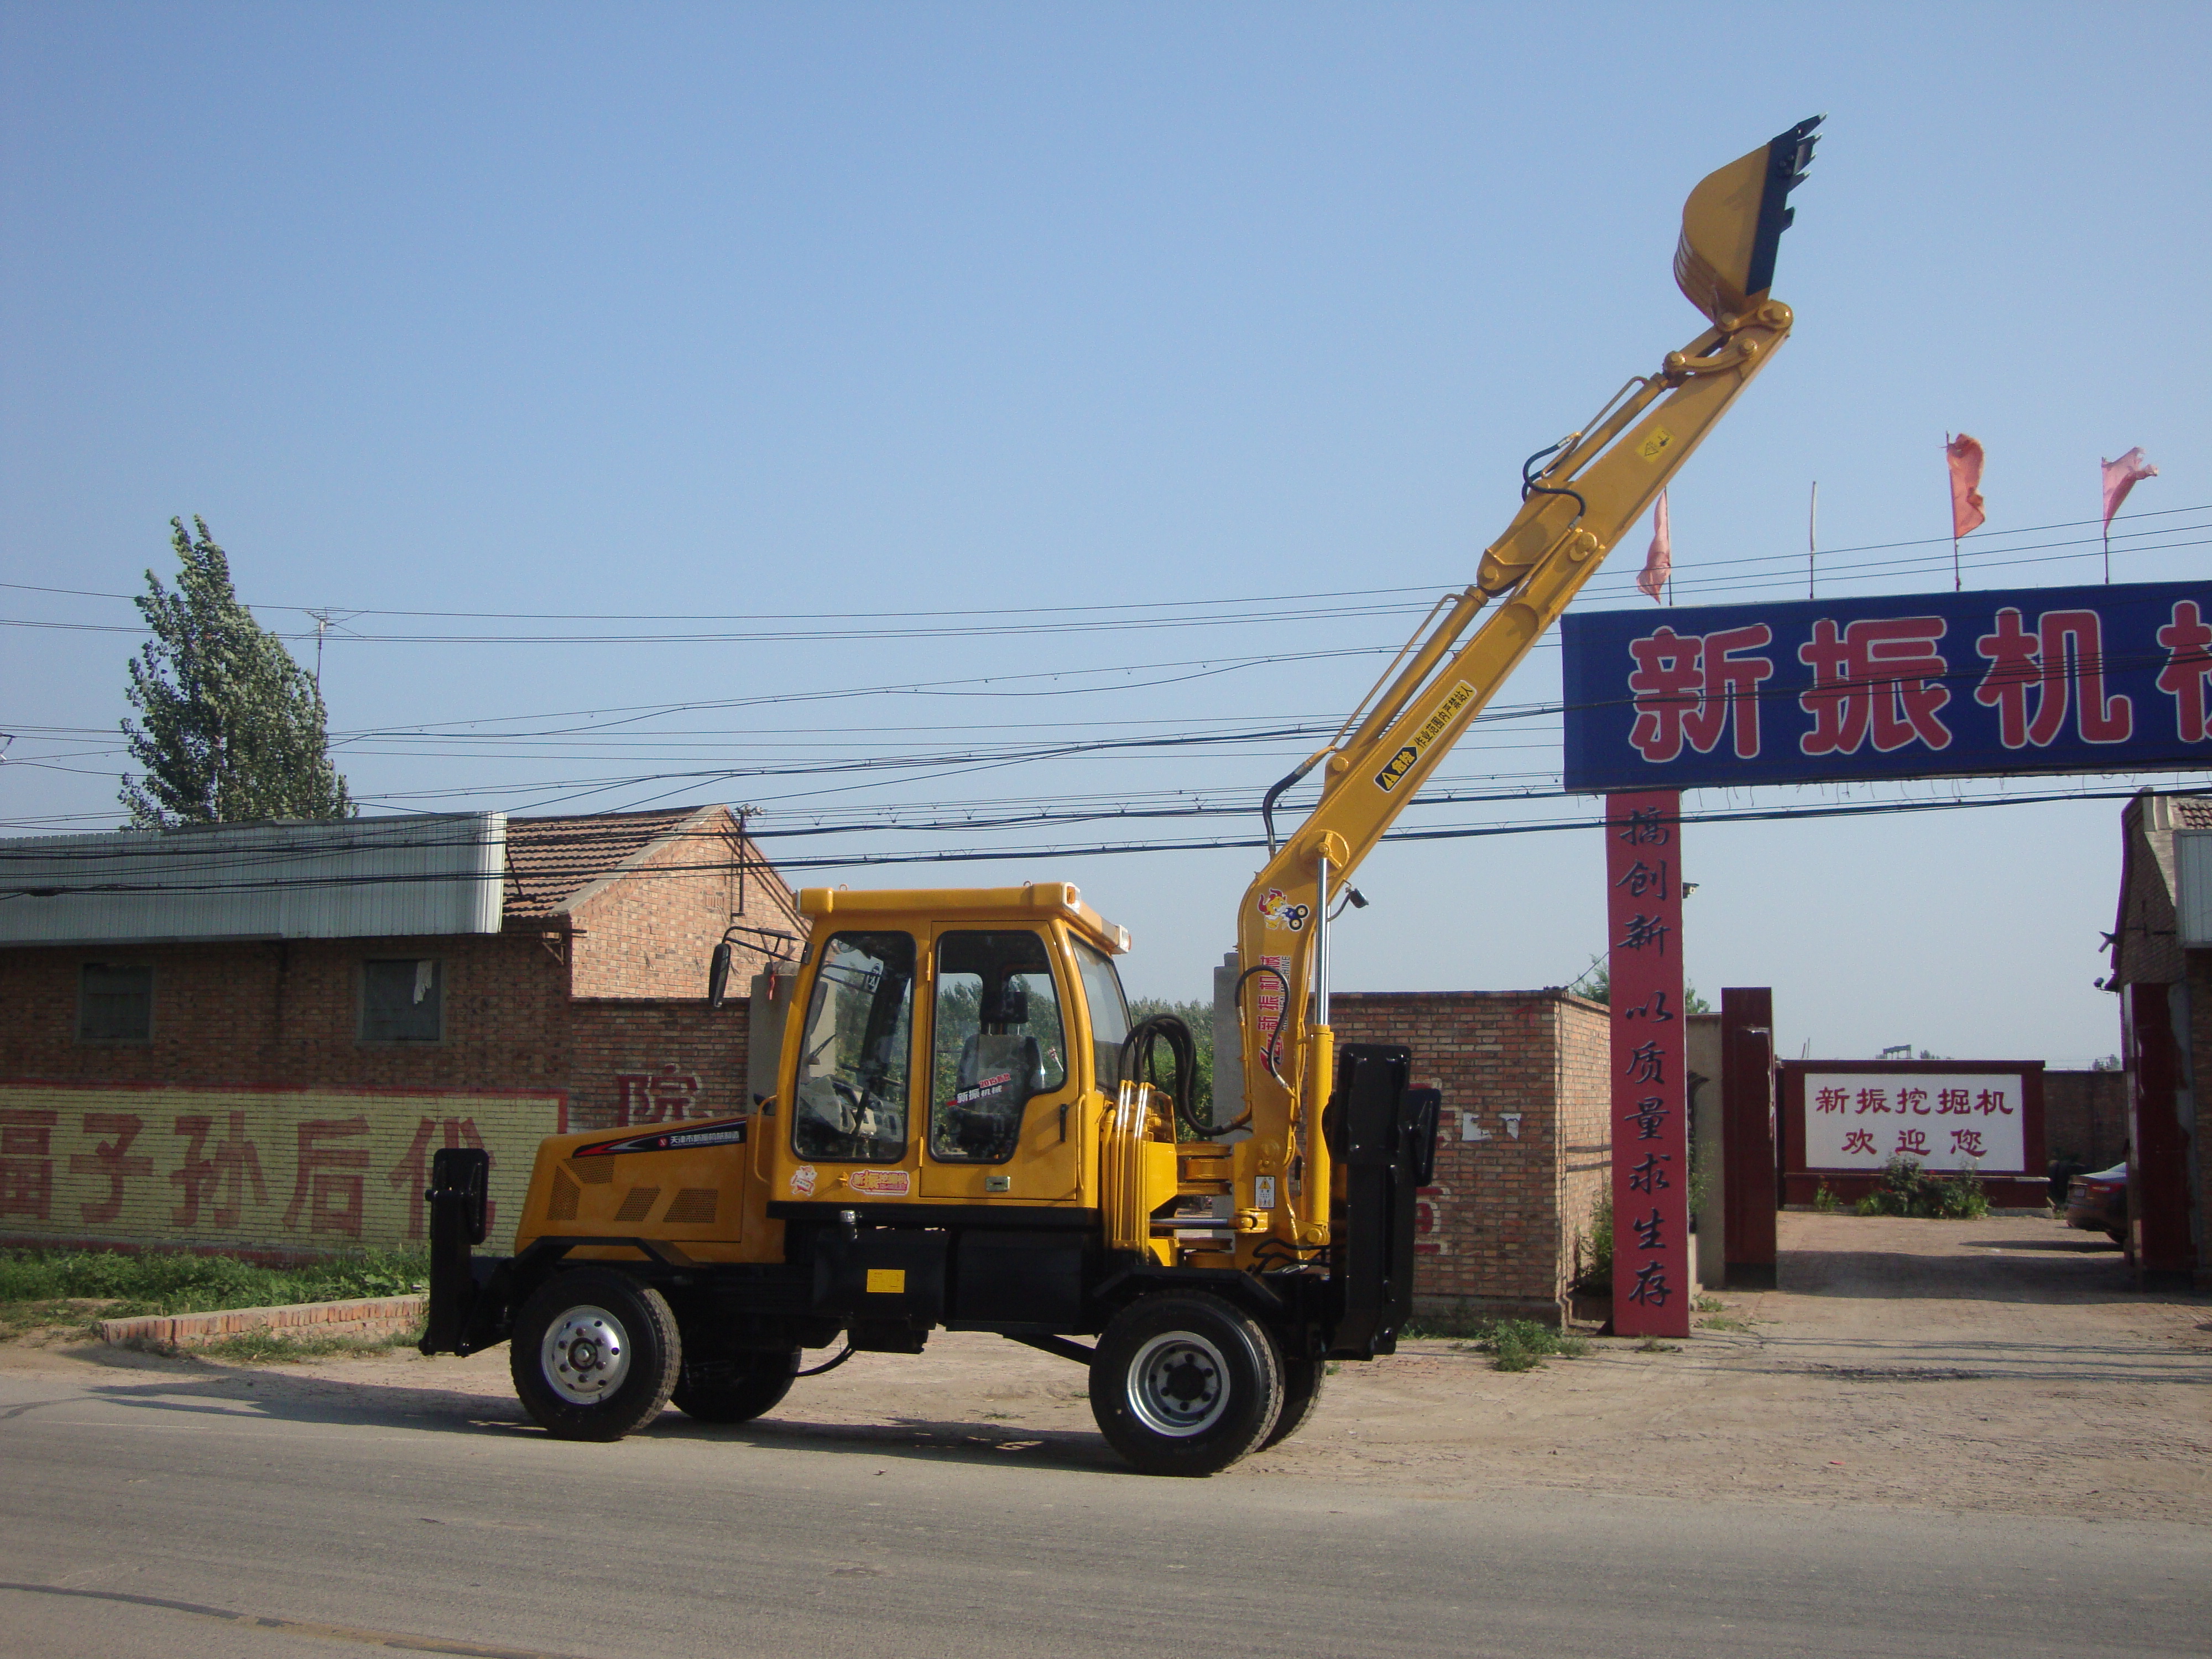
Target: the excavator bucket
pixel 1733 222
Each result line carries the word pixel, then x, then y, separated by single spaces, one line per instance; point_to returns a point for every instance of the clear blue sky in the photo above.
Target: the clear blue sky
pixel 756 312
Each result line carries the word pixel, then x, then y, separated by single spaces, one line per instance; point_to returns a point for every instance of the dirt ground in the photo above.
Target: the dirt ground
pixel 1998 1365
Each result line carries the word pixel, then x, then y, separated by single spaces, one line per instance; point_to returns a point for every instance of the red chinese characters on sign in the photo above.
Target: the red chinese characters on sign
pixel 109 1161
pixel 1690 687
pixel 1879 678
pixel 1652 1284
pixel 2188 642
pixel 219 1181
pixel 644 1097
pixel 2061 664
pixel 26 1161
pixel 327 1181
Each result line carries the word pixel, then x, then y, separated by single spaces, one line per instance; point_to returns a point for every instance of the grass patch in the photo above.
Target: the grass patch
pixel 177 1281
pixel 1908 1190
pixel 266 1347
pixel 1653 1345
pixel 1723 1322
pixel 77 1315
pixel 1708 1304
pixel 1522 1345
pixel 1446 1327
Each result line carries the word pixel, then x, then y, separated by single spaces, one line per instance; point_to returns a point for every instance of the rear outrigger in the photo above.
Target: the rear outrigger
pixel 966 1131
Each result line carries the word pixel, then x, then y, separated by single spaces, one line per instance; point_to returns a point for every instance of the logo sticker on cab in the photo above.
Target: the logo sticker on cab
pixel 802 1181
pixel 881 1184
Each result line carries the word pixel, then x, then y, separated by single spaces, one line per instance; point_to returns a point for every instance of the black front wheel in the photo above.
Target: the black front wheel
pixel 1185 1384
pixel 594 1354
pixel 737 1391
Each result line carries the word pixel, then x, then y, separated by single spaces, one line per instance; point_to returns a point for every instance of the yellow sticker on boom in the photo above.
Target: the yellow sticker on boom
pixel 1656 445
pixel 886 1281
pixel 1435 726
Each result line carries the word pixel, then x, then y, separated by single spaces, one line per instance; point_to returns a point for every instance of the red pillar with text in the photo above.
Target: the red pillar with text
pixel 1651 1285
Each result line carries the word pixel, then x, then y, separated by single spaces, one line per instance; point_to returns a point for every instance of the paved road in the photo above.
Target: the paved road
pixel 169 1498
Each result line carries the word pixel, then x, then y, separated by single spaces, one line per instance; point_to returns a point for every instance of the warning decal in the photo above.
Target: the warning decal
pixel 1435 726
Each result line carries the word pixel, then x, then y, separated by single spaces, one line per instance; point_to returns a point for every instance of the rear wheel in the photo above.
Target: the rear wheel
pixel 594 1354
pixel 736 1391
pixel 1302 1381
pixel 1185 1384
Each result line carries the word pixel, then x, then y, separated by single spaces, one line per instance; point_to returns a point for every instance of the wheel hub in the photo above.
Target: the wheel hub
pixel 586 1355
pixel 1178 1384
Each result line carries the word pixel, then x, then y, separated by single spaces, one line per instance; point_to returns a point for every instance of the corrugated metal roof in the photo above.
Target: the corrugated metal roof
pixel 345 878
pixel 2192 899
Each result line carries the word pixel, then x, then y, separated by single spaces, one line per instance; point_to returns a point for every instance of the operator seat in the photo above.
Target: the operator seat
pixel 998 1074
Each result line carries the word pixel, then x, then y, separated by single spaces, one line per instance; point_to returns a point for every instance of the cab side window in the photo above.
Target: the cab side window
pixel 999 1043
pixel 852 1102
pixel 1109 1012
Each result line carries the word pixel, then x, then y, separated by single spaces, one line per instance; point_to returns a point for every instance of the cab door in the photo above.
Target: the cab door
pixel 1003 1120
pixel 853 1089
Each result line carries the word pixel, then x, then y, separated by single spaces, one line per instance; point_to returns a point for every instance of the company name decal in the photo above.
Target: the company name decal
pixel 881 1184
pixel 729 1133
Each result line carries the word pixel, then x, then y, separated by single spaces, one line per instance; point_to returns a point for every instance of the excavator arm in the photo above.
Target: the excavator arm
pixel 1579 497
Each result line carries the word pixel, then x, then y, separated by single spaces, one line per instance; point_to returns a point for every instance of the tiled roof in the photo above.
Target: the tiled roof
pixel 2192 812
pixel 549 860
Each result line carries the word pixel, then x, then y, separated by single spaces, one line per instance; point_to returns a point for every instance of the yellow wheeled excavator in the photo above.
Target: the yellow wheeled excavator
pixel 964 1130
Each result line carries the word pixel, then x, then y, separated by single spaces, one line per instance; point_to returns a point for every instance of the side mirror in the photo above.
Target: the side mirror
pixel 718 976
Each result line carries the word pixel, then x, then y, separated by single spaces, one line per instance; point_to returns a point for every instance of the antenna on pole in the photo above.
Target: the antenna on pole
pixel 1812 536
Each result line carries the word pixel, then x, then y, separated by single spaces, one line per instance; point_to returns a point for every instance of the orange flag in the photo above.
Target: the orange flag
pixel 1965 457
pixel 1659 562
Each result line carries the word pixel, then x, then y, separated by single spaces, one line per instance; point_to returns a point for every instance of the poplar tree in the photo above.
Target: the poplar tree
pixel 229 727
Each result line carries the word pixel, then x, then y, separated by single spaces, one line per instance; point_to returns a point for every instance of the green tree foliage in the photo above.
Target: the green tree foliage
pixel 1596 984
pixel 1198 1016
pixel 230 728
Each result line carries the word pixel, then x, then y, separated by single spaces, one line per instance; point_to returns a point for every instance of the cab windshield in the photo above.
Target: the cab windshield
pixel 1109 1012
pixel 853 1069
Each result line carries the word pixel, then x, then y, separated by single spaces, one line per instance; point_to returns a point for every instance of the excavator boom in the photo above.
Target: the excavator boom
pixel 1579 497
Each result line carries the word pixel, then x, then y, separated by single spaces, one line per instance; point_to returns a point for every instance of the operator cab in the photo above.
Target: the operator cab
pixel 953 1047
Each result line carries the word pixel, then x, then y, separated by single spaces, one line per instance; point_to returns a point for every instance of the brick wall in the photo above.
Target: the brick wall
pixel 1525 1148
pixel 2085 1117
pixel 651 930
pixel 288 1012
pixel 641 1060
pixel 271 1172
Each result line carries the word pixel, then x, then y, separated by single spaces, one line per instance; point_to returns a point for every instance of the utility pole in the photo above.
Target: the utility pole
pixel 322 626
pixel 1812 536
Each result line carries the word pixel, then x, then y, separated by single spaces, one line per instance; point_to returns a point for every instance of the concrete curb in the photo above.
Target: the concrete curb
pixel 376 1315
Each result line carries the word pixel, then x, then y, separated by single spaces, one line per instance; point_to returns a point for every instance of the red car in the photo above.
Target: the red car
pixel 2098 1202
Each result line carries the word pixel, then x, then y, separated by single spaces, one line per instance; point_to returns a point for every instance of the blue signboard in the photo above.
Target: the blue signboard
pixel 1923 685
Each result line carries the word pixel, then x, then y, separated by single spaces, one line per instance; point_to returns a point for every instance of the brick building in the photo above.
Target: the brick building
pixel 254 1037
pixel 2162 968
pixel 1525 1153
pixel 2085 1117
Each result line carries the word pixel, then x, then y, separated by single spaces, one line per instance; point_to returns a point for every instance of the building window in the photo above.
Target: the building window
pixel 401 1001
pixel 114 1004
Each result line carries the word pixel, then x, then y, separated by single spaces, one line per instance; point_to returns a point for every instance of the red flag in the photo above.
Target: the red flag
pixel 2121 476
pixel 1659 562
pixel 1965 457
